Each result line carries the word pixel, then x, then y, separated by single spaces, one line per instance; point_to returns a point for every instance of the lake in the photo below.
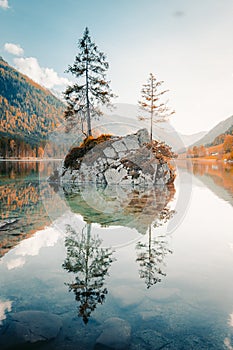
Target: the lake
pixel 113 268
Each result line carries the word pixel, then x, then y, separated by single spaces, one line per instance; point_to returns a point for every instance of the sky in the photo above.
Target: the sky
pixel 187 44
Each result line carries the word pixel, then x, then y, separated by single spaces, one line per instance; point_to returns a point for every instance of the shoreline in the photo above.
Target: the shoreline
pixel 213 160
pixel 30 160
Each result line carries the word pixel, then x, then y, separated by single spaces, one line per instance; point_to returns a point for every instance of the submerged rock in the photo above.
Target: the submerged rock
pixel 115 335
pixel 29 327
pixel 128 160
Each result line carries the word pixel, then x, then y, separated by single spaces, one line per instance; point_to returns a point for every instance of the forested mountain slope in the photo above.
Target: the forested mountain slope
pixel 222 128
pixel 28 113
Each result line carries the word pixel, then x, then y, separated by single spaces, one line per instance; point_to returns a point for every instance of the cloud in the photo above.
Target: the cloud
pixel 14 49
pixel 15 263
pixel 43 76
pixel 227 343
pixel 31 246
pixel 4 4
pixel 4 306
pixel 31 67
pixel 230 321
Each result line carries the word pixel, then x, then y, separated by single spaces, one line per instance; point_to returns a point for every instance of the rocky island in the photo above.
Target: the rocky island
pixel 112 160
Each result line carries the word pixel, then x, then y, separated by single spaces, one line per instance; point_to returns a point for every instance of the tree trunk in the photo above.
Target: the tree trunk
pixel 150 257
pixel 89 133
pixel 151 110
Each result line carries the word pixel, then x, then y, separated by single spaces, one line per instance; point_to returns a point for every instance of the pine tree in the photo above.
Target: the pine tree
pixel 151 103
pixel 92 90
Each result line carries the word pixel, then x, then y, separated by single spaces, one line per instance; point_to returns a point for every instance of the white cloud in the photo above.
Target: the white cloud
pixel 4 4
pixel 15 263
pixel 230 321
pixel 227 343
pixel 4 306
pixel 31 246
pixel 43 76
pixel 14 49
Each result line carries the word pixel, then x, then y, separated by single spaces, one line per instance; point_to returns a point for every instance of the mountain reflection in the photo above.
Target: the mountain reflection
pixel 15 169
pixel 22 192
pixel 217 176
pixel 89 263
pixel 222 174
pixel 20 200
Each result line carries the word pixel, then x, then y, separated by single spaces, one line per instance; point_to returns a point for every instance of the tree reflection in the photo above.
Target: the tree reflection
pixel 151 254
pixel 90 263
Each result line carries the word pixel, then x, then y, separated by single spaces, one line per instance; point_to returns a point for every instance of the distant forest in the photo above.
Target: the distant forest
pixel 220 148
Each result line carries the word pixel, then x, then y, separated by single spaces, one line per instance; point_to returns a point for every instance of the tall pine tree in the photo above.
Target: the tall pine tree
pixel 92 90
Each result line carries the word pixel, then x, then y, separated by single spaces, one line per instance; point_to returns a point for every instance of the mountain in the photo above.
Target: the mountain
pixel 123 109
pixel 121 125
pixel 221 128
pixel 123 118
pixel 190 139
pixel 28 112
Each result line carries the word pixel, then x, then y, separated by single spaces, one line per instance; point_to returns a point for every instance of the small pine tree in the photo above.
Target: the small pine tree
pixel 92 89
pixel 150 103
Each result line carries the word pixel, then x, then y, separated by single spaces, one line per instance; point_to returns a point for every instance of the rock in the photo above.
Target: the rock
pixel 132 142
pixel 143 136
pixel 119 146
pixel 109 152
pixel 120 160
pixel 29 327
pixel 115 335
pixel 114 176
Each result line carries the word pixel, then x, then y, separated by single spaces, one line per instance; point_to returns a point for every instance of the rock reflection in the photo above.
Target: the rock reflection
pixel 89 262
pixel 136 208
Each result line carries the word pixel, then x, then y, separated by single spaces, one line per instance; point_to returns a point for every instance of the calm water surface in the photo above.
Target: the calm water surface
pixel 88 255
